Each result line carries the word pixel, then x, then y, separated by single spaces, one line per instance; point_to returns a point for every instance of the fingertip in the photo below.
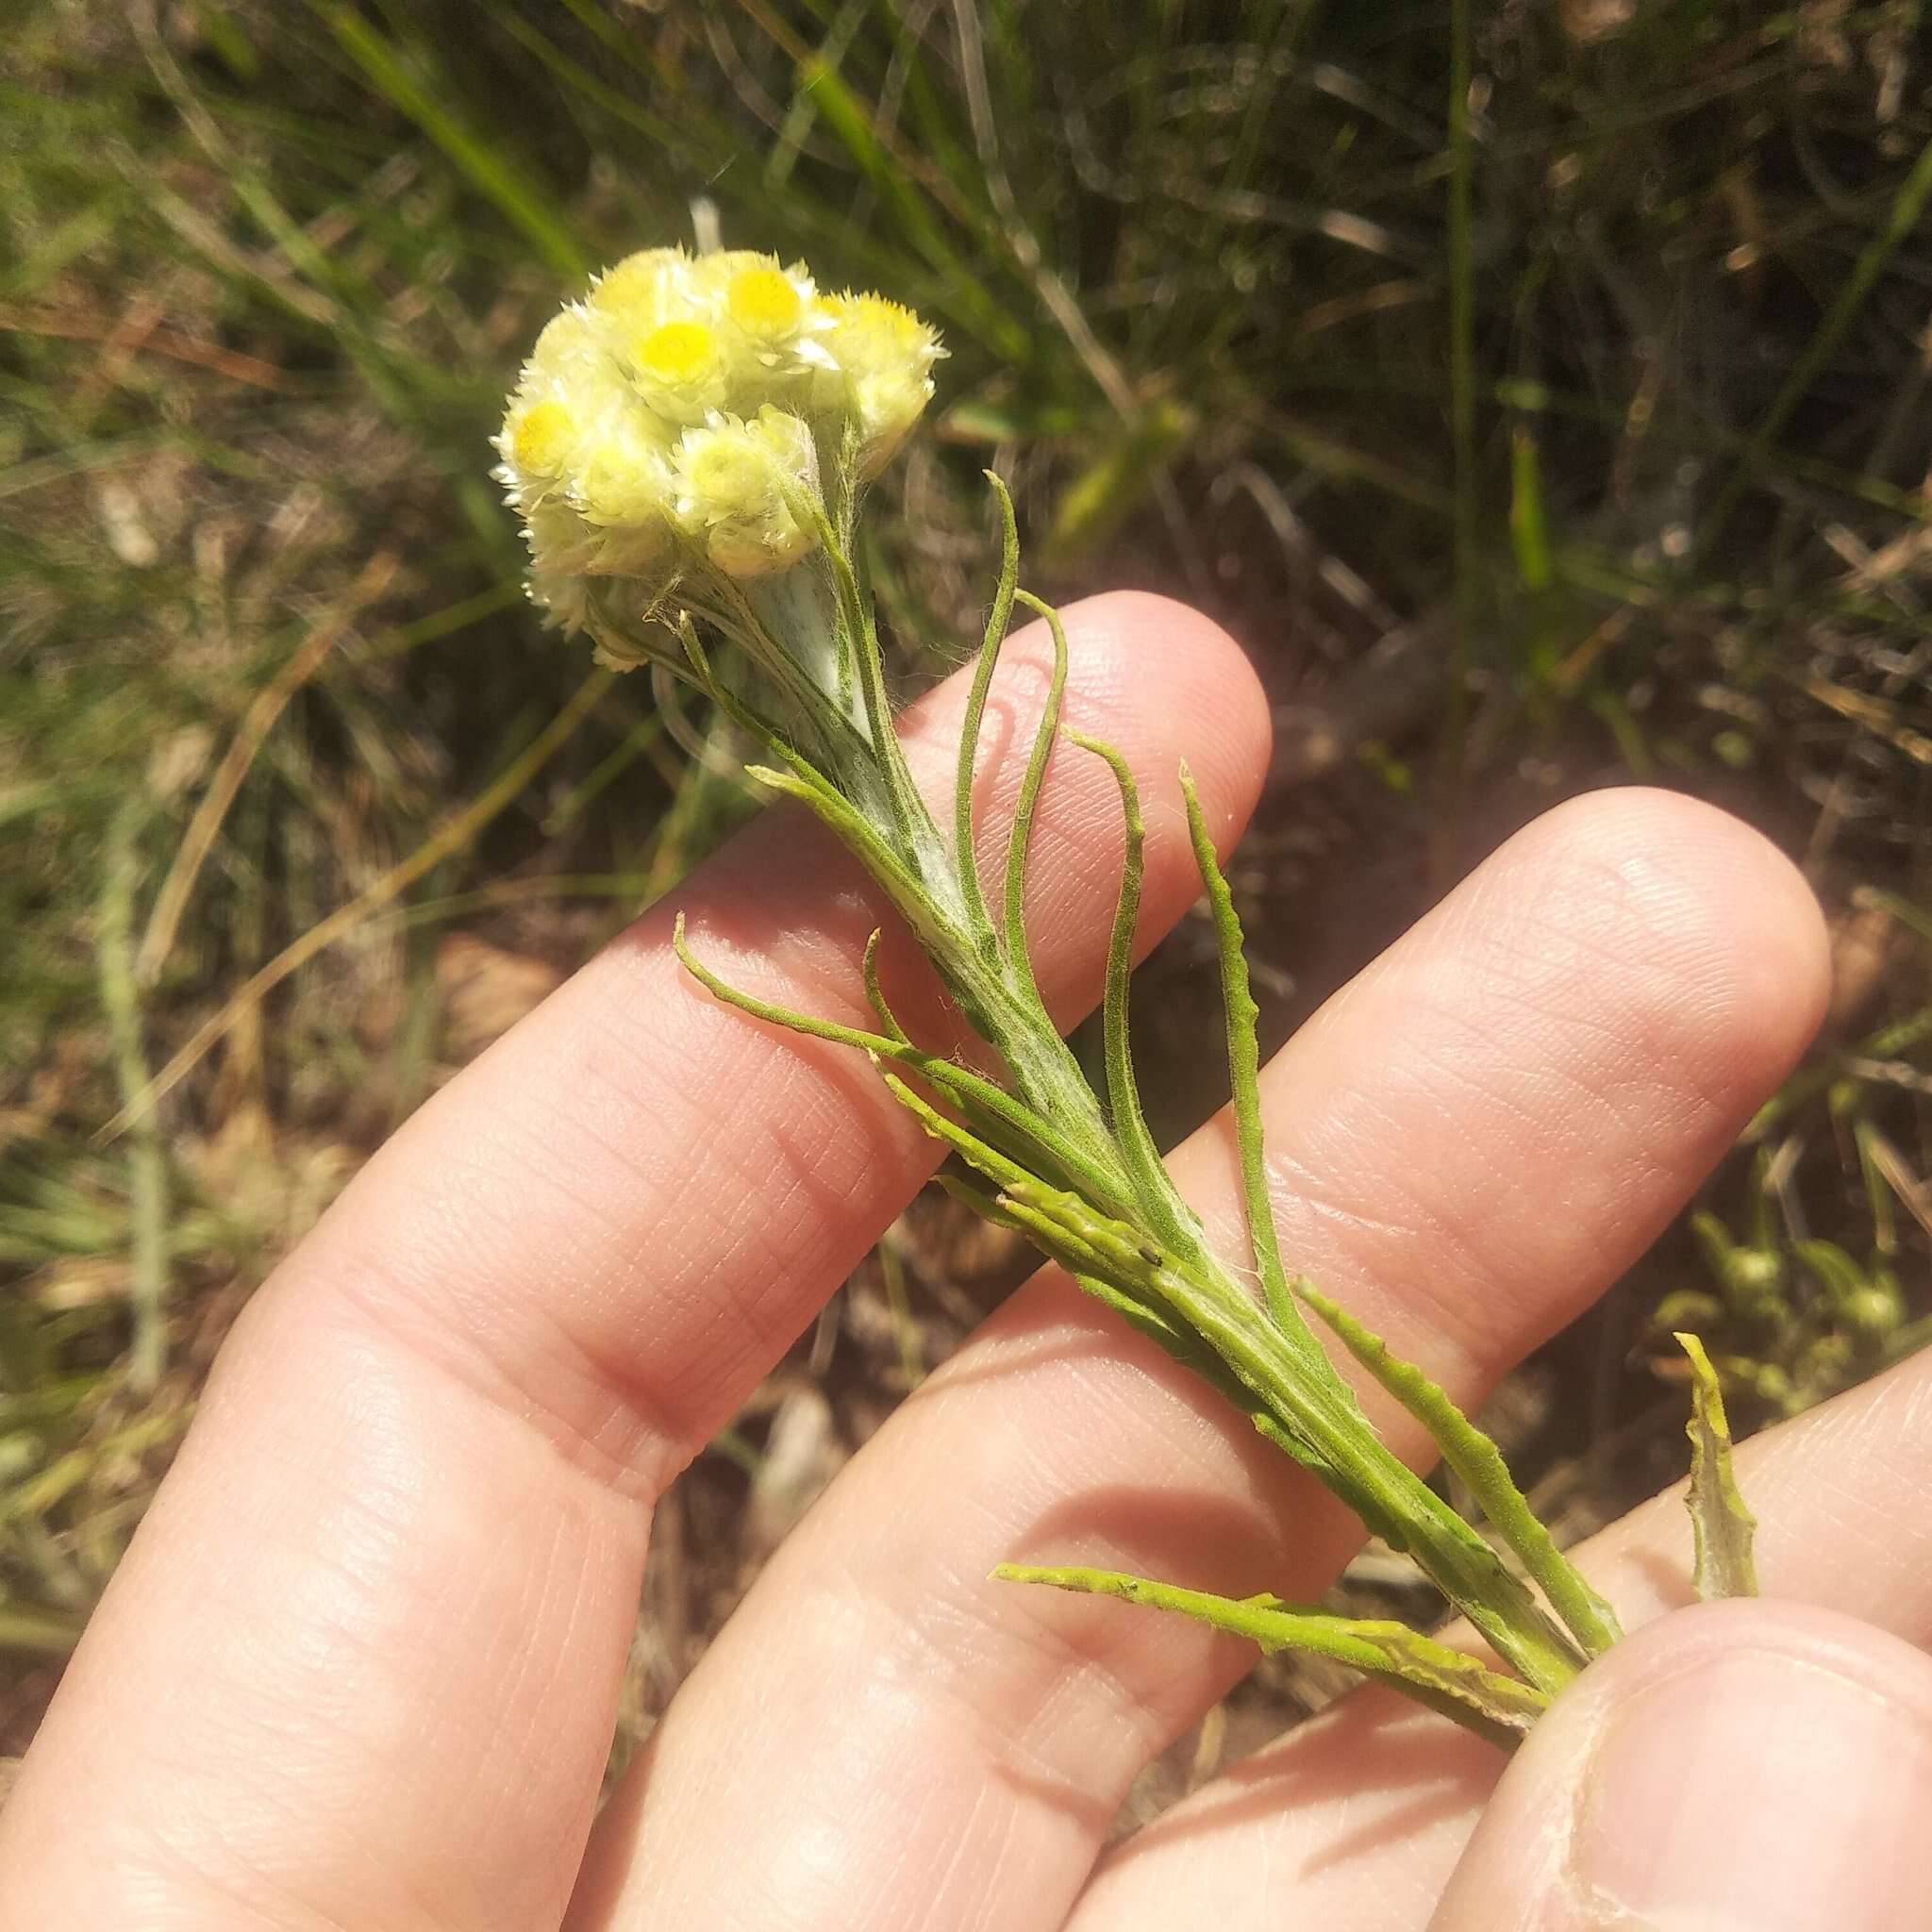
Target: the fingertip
pixel 1731 956
pixel 1746 1763
pixel 1169 686
pixel 1809 1636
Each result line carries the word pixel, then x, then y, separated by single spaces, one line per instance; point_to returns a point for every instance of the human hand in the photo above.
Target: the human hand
pixel 361 1664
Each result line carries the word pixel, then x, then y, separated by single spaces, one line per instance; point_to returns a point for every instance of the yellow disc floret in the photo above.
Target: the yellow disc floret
pixel 763 303
pixel 677 352
pixel 679 370
pixel 542 440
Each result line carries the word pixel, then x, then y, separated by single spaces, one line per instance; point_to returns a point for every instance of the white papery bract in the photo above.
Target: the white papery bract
pixel 699 417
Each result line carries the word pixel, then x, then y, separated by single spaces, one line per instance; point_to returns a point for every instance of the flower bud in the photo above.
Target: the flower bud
pixel 733 479
pixel 570 341
pixel 882 357
pixel 622 474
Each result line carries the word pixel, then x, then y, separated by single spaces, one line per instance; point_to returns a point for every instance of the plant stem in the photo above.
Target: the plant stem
pixel 1079 1173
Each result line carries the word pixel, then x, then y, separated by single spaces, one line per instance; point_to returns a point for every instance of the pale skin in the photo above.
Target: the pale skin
pixel 360 1668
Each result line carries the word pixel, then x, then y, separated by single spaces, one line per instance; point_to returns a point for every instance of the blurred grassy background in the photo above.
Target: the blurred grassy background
pixel 1539 392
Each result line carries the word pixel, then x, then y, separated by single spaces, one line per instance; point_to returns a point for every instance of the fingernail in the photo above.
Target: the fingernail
pixel 1758 1790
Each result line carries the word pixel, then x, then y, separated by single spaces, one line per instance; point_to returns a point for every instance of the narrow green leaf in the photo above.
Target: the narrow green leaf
pixel 40 1633
pixel 1721 1523
pixel 1840 1275
pixel 876 995
pixel 1458 1685
pixel 878 1044
pixel 1099 1274
pixel 1008 1129
pixel 1479 1463
pixel 1244 1074
pixel 1148 1318
pixel 147 1164
pixel 1152 1188
pixel 1021 840
pixel 1529 534
pixel 1901 220
pixel 996 623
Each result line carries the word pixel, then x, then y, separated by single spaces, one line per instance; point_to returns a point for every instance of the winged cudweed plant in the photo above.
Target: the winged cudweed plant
pixel 688 449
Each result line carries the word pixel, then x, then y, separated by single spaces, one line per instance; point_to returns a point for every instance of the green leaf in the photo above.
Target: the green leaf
pixel 1478 1461
pixel 1458 1685
pixel 996 623
pixel 1009 1130
pixel 1147 1318
pixel 1020 841
pixel 1836 1272
pixel 1244 1075
pixel 1153 1190
pixel 875 994
pixel 1721 1523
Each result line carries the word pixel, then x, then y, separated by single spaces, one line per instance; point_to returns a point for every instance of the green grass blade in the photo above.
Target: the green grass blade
pixel 1908 206
pixel 147 1169
pixel 1467 516
pixel 847 120
pixel 520 201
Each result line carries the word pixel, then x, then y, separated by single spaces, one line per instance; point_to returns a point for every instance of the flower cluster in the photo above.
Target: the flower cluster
pixel 688 447
pixel 692 414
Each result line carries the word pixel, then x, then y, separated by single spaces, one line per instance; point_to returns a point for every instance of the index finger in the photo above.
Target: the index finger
pixel 361 1664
